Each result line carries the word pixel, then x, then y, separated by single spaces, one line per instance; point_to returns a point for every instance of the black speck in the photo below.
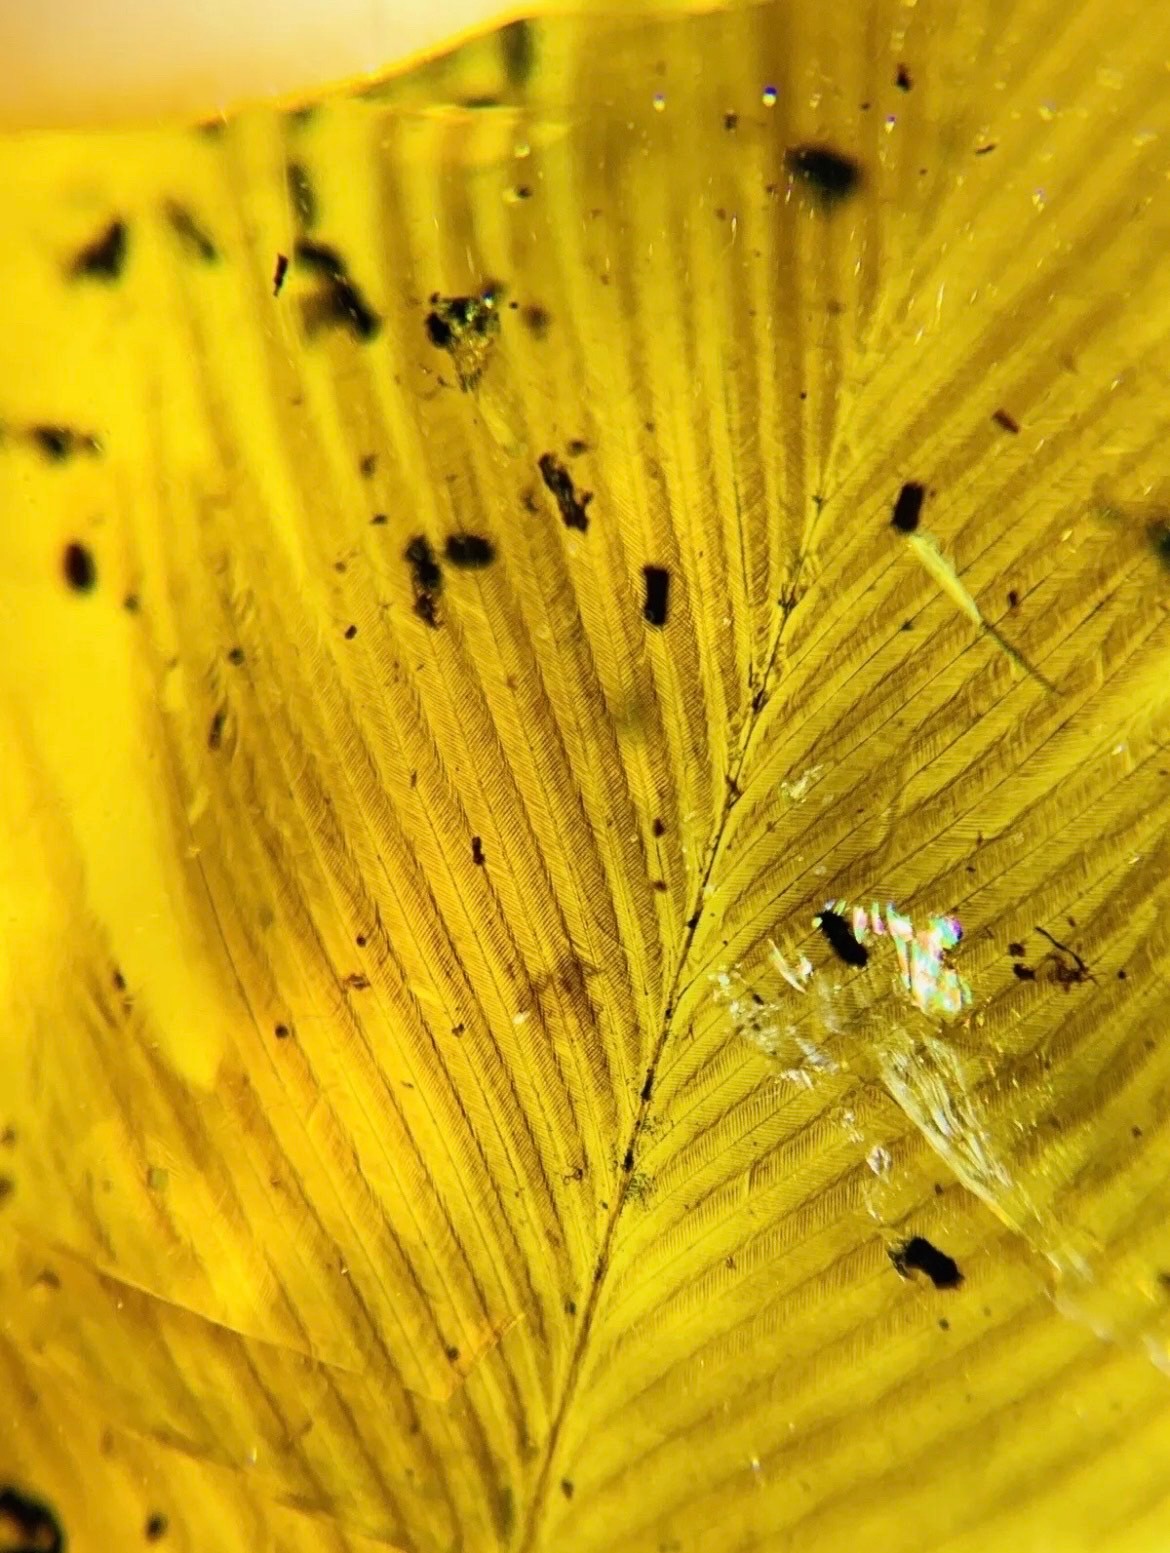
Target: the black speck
pixel 731 120
pixel 831 176
pixel 215 731
pixel 570 1307
pixel 907 625
pixel 648 1084
pixel 1013 598
pixel 452 1352
pixel 628 1160
pixel 131 603
pixel 918 1255
pixel 657 601
pixel 1121 975
pixel 155 1527
pixel 522 191
pixel 1006 422
pixel 236 656
pixel 659 827
pixel 425 570
pixel 360 940
pixel 908 507
pixel 79 567
pixel 1023 972
pixel 518 49
pixel 987 149
pixel 105 258
pixel 477 856
pixel 944 1324
pixel 839 936
pixel 58 443
pixel 29 1523
pixel 558 480
pixel 471 551
pixel 903 79
pixel 692 921
pixel 279 273
pixel 350 633
pixel 537 320
pixel 379 520
pixel 1016 949
pixel 1135 1131
pixel 576 446
pixel 282 1032
pixel 567 1487
pixel 192 236
pixel 369 462
pixel 303 196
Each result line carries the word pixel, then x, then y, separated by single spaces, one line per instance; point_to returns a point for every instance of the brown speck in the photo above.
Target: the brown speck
pixel 536 320
pixel 572 506
pixel 659 827
pixel 1023 972
pixel 350 633
pixel 1006 422
pixel 731 120
pixel 987 149
pixel 79 567
pixel 155 1527
pixel 903 79
pixel 477 856
pixel 279 273
pixel 1016 949
pixel 215 729
pixel 379 520
pixel 282 1032
pixel 567 1488
pixel 918 1255
pixel 1013 598
pixel 236 656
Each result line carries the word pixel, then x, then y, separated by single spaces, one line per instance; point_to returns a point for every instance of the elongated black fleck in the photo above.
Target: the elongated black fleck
pixel 279 273
pixel 470 551
pixel 657 602
pixel 839 936
pixel 194 237
pixel 908 507
pixel 425 570
pixel 918 1255
pixel 79 567
pixel 58 443
pixel 104 258
pixel 559 481
pixel 829 174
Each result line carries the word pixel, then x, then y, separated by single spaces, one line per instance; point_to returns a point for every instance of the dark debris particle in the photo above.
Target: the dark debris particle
pixel 918 1255
pixel 426 607
pixel 27 1525
pixel 156 1527
pixel 452 1353
pixel 369 462
pixel 235 656
pixel 576 446
pixel 1016 949
pixel 466 328
pixel 192 236
pixel 558 480
pixel 831 176
pixel 839 936
pixel 282 1032
pixel 215 730
pixel 986 150
pixel 477 856
pixel 470 551
pixel 303 195
pixel 628 1160
pixel 659 827
pixel 425 570
pixel 657 601
pixel 132 603
pixel 537 320
pixel 59 443
pixel 279 273
pixel 105 258
pixel 79 567
pixel 908 507
pixel 350 632
pixel 567 1487
pixel 731 120
pixel 518 49
pixel 1022 972
pixel 522 191
pixel 903 80
pixel 341 305
pixel 7 1187
pixel 647 1085
pixel 1006 422
pixel 319 258
pixel 570 1307
pixel 1013 598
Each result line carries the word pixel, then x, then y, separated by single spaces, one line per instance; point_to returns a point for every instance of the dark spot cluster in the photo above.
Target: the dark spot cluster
pixel 829 175
pixel 469 552
pixel 193 237
pixel 427 577
pixel 338 302
pixel 917 1255
pixel 840 938
pixel 466 328
pixel 28 1525
pixel 105 257
pixel 908 507
pixel 657 600
pixel 560 483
